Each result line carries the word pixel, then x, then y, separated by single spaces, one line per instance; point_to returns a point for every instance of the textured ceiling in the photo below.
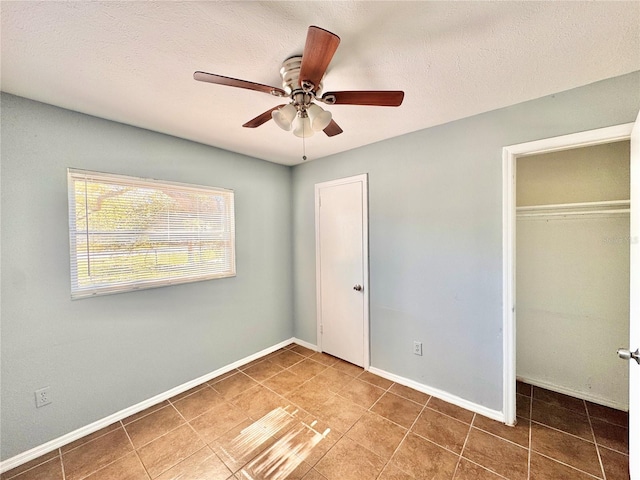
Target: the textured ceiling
pixel 133 61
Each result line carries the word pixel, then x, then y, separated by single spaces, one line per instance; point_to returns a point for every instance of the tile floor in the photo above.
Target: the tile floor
pixel 378 430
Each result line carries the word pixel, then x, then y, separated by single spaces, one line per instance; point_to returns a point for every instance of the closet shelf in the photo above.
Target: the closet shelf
pixel 578 208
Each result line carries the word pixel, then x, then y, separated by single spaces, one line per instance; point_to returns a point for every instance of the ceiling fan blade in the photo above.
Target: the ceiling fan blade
pixel 262 118
pixel 318 52
pixel 380 98
pixel 332 129
pixel 234 82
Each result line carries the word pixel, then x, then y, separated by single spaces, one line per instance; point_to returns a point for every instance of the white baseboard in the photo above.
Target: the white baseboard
pixel 441 394
pixel 45 448
pixel 575 393
pixel 308 345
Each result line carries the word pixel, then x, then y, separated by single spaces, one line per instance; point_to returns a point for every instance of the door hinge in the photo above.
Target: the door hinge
pixel 319 201
pixel 321 329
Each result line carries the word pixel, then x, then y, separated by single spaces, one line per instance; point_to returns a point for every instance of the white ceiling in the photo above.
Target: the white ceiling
pixel 133 61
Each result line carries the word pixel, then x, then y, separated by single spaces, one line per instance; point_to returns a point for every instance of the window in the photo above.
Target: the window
pixel 130 233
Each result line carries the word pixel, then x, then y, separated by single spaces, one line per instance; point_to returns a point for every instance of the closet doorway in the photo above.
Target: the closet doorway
pixel 511 154
pixel 572 272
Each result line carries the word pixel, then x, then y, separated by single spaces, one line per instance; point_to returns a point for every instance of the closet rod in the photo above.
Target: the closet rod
pixel 567 213
pixel 574 205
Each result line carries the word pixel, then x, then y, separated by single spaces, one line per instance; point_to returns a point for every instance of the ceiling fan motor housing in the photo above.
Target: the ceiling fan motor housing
pixel 290 73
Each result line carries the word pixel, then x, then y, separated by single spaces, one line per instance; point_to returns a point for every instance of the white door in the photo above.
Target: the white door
pixel 341 258
pixel 634 314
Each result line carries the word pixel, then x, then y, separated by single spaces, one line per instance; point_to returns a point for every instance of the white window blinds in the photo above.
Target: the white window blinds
pixel 129 233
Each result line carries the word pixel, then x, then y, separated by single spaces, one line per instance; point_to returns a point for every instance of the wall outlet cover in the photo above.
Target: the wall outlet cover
pixel 43 397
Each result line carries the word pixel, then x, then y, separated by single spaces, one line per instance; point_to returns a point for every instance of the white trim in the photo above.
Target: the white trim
pixel 441 394
pixel 316 201
pixel 574 393
pixel 509 156
pixel 363 179
pixel 308 345
pixel 51 445
pixel 589 138
pixel 508 284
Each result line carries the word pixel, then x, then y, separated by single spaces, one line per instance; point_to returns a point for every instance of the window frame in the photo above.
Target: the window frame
pixel 78 292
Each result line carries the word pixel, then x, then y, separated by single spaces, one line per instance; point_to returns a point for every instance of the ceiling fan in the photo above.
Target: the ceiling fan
pixel 302 83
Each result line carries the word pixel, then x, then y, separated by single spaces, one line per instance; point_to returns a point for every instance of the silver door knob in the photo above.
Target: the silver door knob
pixel 357 288
pixel 628 354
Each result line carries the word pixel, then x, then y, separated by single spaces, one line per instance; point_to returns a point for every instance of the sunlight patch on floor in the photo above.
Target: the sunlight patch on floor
pixel 282 457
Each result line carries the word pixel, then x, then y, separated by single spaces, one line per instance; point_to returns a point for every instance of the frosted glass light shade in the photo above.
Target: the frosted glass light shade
pixel 302 127
pixel 284 116
pixel 319 118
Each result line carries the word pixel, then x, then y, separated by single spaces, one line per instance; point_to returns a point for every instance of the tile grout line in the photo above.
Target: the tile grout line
pixel 342 387
pixel 485 468
pixel 202 386
pixel 443 447
pixel 403 439
pixel 135 450
pixel 456 419
pixel 568 466
pixel 555 428
pixel 466 439
pixel 89 441
pixel 206 445
pixel 368 410
pixel 164 434
pixel 146 414
pixel 64 475
pixel 595 441
pixel 12 477
pixel 378 399
pixel 564 432
pixel 108 464
pixel 626 454
pixel 515 444
pixel 114 461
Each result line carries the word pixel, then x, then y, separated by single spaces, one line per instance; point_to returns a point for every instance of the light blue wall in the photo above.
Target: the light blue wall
pixel 100 355
pixel 435 234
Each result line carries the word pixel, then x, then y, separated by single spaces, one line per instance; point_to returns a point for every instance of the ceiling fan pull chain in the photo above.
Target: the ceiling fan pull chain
pixel 304 149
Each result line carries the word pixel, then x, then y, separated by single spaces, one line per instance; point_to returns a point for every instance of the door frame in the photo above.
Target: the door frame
pixel 363 180
pixel 510 154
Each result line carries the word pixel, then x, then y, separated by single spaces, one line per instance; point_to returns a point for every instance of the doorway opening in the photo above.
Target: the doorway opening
pixel 572 272
pixel 545 220
pixel 510 157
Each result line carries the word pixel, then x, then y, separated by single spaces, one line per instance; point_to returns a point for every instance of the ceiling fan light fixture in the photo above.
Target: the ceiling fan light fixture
pixel 284 116
pixel 302 126
pixel 319 117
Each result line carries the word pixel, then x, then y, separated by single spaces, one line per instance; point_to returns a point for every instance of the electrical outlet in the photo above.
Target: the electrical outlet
pixel 43 397
pixel 417 348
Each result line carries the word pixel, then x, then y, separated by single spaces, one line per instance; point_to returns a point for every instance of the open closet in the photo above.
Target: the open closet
pixel 572 271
